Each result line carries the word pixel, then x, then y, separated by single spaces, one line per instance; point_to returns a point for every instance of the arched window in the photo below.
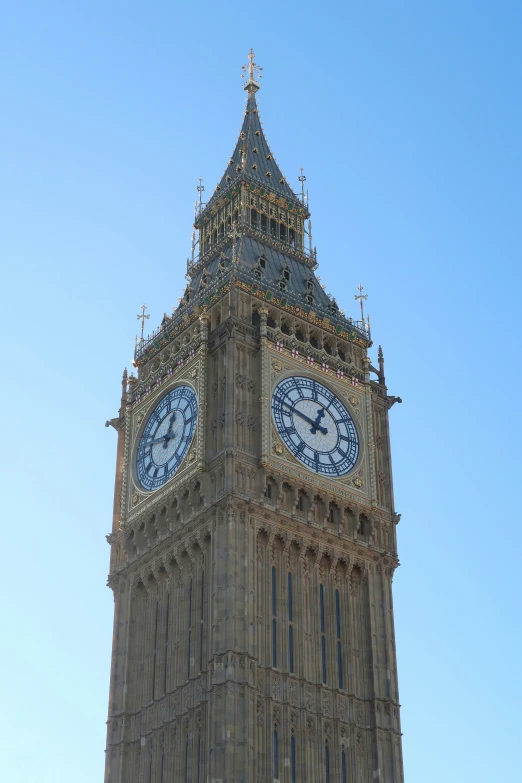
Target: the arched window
pixel 338 634
pixel 189 628
pixel 274 619
pixel 290 625
pixel 156 651
pixel 343 766
pixel 166 656
pixel 201 616
pixel 276 755
pixel 326 762
pixel 323 633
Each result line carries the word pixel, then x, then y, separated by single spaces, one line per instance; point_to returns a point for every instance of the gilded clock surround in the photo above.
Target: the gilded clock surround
pixel 195 559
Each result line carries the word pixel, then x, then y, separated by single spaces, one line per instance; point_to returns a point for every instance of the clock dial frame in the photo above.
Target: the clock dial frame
pixel 166 437
pixel 315 426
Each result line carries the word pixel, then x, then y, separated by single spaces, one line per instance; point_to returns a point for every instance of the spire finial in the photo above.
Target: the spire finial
pixel 200 190
pixel 360 297
pixel 380 356
pixel 142 318
pixel 253 70
pixel 302 180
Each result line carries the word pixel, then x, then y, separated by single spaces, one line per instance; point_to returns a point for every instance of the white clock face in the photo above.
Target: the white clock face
pixel 166 437
pixel 315 426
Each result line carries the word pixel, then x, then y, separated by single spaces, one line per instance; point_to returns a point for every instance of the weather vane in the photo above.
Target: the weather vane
pixel 253 70
pixel 142 318
pixel 360 296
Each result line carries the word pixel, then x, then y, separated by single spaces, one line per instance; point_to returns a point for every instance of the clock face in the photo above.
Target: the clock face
pixel 166 437
pixel 315 426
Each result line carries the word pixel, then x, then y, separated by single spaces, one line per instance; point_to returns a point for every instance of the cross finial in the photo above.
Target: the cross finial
pixel 360 296
pixel 142 318
pixel 302 180
pixel 200 190
pixel 253 70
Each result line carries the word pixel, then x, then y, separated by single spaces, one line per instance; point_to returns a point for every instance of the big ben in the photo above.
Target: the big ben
pixel 253 542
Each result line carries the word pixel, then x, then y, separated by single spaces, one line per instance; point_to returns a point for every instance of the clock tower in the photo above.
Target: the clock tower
pixel 253 543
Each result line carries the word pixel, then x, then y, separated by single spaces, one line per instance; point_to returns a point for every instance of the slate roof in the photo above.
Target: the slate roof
pixel 248 251
pixel 251 151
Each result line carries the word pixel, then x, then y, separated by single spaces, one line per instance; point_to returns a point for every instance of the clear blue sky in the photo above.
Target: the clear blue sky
pixel 407 119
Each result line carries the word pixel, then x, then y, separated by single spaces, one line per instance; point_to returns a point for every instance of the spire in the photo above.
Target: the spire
pixel 252 158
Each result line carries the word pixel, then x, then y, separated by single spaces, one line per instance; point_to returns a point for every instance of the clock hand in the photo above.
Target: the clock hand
pixel 168 435
pixel 315 424
pixel 164 439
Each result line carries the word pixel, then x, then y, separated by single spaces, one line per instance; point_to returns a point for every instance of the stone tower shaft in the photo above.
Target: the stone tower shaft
pixel 253 631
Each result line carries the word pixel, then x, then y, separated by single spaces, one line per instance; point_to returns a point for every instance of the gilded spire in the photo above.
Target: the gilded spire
pixel 252 69
pixel 252 159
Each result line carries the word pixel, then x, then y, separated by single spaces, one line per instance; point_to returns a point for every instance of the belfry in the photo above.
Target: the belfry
pixel 253 542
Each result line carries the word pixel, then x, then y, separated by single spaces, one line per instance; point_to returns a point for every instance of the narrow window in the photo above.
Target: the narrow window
pixel 155 658
pixel 290 625
pixel 276 756
pixel 332 518
pixel 301 503
pixel 201 613
pixel 343 767
pixel 274 624
pixel 166 644
pixel 189 629
pixel 292 759
pixel 327 762
pixel 269 491
pixel 338 634
pixel 323 636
